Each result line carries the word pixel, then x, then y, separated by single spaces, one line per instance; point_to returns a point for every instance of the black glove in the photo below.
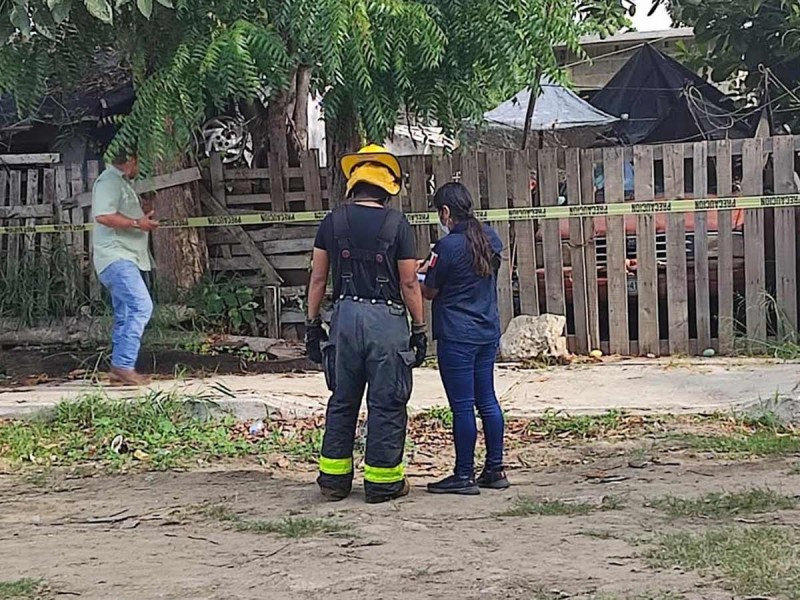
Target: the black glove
pixel 419 343
pixel 315 335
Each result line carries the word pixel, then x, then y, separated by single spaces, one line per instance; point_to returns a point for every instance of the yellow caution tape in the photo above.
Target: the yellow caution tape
pixel 431 218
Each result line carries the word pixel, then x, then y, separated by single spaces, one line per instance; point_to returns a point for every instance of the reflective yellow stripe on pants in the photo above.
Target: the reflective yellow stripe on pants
pixel 384 474
pixel 335 466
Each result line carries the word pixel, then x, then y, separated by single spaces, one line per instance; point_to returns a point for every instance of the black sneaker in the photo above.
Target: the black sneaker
pixel 493 480
pixel 454 484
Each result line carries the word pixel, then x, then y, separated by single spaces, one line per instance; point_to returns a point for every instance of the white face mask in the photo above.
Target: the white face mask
pixel 444 229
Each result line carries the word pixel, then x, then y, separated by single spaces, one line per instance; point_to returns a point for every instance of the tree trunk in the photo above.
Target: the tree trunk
pixel 282 126
pixel 181 255
pixel 277 120
pixel 342 137
pixel 535 89
pixel 300 113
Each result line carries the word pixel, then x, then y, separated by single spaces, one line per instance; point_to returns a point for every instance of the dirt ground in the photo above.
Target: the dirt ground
pixel 34 366
pixel 142 536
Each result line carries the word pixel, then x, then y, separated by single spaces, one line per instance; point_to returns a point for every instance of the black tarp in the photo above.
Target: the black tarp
pixel 660 100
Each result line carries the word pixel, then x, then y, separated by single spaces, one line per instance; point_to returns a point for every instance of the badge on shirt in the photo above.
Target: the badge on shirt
pixel 432 261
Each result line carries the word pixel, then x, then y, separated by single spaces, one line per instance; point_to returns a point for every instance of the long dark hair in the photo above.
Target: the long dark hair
pixel 457 198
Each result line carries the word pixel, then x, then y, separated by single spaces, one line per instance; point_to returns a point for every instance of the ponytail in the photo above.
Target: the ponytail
pixel 479 247
pixel 457 198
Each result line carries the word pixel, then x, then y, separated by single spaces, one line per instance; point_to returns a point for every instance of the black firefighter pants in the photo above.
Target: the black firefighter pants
pixel 368 347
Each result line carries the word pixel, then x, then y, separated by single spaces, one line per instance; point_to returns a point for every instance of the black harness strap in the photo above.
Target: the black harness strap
pixel 386 237
pixel 380 256
pixel 341 232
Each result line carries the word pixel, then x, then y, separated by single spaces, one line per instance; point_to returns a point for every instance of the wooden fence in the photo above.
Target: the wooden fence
pixel 38 190
pixel 44 192
pixel 644 284
pixel 648 284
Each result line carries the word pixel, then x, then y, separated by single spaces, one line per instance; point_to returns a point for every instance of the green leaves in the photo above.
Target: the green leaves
pixel 434 60
pixel 59 10
pixel 100 9
pixel 19 18
pixel 145 7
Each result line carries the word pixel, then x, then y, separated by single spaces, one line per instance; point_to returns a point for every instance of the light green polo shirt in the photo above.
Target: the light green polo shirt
pixel 113 193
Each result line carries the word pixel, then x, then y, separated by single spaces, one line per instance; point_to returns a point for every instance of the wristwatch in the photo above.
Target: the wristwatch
pixel 136 224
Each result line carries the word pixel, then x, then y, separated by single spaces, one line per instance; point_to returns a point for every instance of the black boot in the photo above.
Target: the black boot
pixel 334 494
pixel 380 498
pixel 493 480
pixel 454 484
pixel 334 487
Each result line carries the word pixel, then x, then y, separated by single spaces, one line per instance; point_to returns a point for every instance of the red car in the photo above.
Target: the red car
pixel 737 218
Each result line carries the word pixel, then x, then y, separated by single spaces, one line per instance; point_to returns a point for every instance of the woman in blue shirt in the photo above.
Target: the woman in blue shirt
pixel 461 279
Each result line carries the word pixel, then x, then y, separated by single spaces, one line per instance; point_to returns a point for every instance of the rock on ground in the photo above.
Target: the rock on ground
pixel 531 338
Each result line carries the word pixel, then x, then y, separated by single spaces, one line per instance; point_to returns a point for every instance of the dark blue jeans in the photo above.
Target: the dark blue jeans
pixel 467 372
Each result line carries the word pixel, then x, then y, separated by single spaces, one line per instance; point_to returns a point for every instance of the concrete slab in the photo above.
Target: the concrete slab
pixel 653 386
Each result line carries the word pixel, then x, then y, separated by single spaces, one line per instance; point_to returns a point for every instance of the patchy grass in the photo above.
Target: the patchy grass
pixel 22 589
pixel 525 506
pixel 758 443
pixel 156 431
pixel 288 527
pixel 555 424
pixel 762 561
pixel 440 415
pixel 755 434
pixel 643 596
pixel 169 430
pixel 721 505
pixel 598 535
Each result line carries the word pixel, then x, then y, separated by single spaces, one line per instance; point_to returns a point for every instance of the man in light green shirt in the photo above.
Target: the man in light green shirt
pixel 120 240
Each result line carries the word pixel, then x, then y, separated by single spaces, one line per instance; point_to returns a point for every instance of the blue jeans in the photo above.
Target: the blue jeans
pixel 132 310
pixel 467 372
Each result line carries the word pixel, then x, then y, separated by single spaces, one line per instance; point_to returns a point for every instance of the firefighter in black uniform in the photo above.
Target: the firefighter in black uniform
pixel 372 251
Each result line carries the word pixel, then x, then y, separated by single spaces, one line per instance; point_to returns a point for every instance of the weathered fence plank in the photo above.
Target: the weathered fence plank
pixel 92 173
pixel 14 199
pixel 725 324
pixel 578 250
pixel 677 288
pixel 709 277
pixel 754 264
pixel 590 249
pixel 498 198
pixel 470 176
pixel 702 281
pixel 76 218
pixel 312 187
pixel 418 184
pixel 31 199
pixel 257 260
pixel 646 264
pixel 619 338
pixel 5 243
pixel 785 238
pixel 524 239
pixel 46 240
pixel 551 234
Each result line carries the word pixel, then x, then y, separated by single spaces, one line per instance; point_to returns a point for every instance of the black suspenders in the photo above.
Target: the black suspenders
pixel 347 254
